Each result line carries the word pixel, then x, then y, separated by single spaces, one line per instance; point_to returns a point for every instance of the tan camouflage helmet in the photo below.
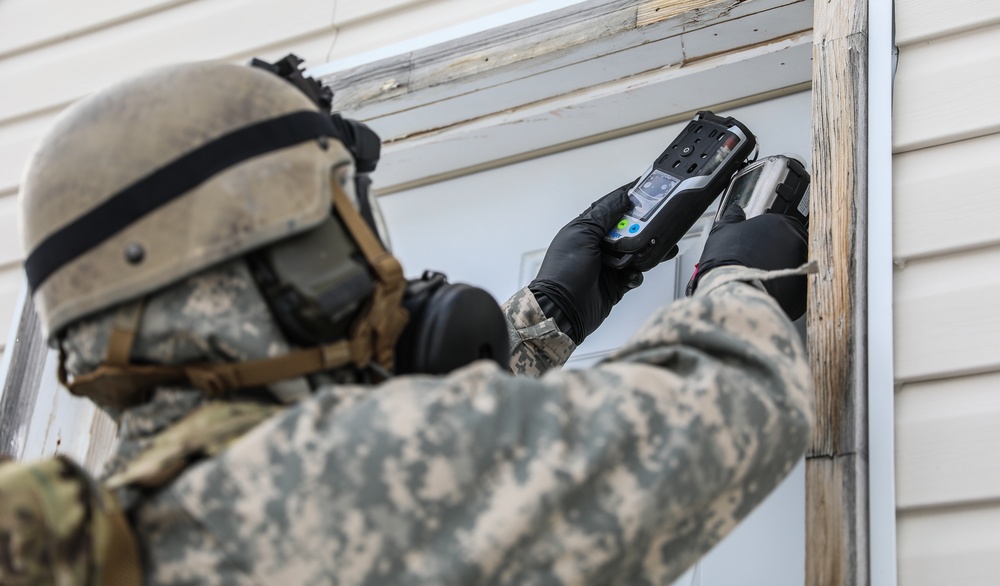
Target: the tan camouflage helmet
pixel 166 174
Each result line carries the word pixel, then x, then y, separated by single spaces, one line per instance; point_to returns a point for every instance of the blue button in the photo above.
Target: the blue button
pixel 634 228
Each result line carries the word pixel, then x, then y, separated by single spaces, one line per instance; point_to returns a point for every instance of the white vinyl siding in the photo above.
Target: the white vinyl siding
pixel 950 202
pixel 946 136
pixel 946 431
pixel 53 52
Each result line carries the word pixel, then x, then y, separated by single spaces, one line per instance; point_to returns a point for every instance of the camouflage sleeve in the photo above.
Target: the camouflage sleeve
pixel 536 343
pixel 624 473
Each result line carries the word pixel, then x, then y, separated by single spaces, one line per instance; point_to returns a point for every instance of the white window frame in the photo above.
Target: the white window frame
pixel 881 386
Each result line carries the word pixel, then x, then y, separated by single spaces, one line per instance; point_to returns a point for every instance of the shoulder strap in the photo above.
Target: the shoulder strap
pixel 123 332
pixel 386 316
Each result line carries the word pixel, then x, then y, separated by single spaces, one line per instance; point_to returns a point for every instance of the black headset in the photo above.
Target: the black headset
pixel 450 325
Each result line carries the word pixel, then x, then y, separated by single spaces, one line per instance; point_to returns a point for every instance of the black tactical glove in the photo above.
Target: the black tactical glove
pixel 769 242
pixel 573 286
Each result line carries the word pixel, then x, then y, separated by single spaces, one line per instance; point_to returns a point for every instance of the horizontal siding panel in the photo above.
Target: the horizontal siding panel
pixel 10 232
pixel 920 20
pixel 349 11
pixel 421 18
pixel 30 23
pixel 947 90
pixel 11 278
pixel 945 198
pixel 137 46
pixel 419 13
pixel 314 48
pixel 947 433
pixel 17 141
pixel 947 319
pixel 949 547
pixel 56 75
pixel 368 26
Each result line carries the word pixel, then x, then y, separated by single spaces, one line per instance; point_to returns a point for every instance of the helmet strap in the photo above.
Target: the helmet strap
pixel 386 317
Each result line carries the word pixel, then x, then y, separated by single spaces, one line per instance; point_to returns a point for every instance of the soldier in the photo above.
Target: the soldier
pixel 197 254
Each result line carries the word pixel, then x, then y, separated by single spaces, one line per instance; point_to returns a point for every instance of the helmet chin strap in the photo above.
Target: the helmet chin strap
pixel 119 384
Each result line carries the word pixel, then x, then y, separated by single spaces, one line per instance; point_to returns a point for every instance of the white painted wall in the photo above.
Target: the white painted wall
pixel 479 227
pixel 946 135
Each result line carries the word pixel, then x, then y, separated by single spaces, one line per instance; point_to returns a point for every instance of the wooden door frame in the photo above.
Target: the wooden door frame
pixel 837 458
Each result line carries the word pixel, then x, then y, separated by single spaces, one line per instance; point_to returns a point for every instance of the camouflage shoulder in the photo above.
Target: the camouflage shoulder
pixel 61 526
pixel 730 322
pixel 536 343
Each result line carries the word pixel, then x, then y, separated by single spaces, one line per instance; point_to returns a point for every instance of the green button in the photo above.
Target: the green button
pixel 623 224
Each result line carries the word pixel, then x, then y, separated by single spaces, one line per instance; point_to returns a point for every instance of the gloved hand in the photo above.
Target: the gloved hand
pixel 573 286
pixel 769 242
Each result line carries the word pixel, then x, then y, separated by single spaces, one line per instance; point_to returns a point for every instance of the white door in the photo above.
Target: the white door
pixel 491 228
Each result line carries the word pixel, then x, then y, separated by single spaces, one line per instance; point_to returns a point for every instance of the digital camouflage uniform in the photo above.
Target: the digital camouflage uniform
pixel 623 473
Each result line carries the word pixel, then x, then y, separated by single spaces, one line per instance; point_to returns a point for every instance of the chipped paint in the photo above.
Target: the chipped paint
pixel 653 11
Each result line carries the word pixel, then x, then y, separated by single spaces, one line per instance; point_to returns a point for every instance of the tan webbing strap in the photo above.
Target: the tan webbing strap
pixel 370 245
pixel 215 379
pixel 386 316
pixel 125 386
pixel 123 332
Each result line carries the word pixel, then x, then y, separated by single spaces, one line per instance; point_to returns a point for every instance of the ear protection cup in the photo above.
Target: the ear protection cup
pixel 451 325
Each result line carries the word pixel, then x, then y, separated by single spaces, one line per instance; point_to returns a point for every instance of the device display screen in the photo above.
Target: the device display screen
pixel 646 196
pixel 743 186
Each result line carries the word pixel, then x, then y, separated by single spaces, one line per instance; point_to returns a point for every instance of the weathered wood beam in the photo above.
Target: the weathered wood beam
pixel 837 460
pixel 38 418
pixel 25 370
pixel 510 59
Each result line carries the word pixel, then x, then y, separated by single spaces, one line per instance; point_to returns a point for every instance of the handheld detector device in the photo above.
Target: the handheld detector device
pixel 778 184
pixel 677 189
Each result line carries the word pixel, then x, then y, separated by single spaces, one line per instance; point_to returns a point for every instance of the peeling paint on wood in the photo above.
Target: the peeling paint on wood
pixel 654 11
pixel 593 43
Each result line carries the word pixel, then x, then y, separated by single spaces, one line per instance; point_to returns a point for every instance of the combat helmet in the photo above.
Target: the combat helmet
pixel 174 171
